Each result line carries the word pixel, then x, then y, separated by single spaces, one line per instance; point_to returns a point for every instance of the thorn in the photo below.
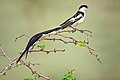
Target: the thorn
pixel 54 50
pixel 63 50
pixel 48 52
pixel 4 74
pixel 65 42
pixel 96 55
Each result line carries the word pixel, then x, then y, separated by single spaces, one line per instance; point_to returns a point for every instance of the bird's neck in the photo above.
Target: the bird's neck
pixel 82 10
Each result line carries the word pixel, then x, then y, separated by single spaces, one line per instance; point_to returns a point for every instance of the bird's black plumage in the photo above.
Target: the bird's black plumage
pixel 69 23
pixel 79 14
pixel 30 43
pixel 35 38
pixel 84 5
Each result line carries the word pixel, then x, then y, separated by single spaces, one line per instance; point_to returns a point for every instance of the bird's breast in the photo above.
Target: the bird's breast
pixel 78 22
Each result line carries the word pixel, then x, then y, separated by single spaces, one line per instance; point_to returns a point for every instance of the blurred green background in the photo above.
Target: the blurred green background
pixel 31 16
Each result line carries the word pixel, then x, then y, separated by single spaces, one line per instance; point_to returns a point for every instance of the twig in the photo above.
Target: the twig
pixel 73 40
pixel 12 64
pixel 28 65
pixel 21 36
pixel 4 54
pixel 7 68
pixel 75 29
pixel 91 51
pixel 47 51
pixel 59 39
pixel 68 37
pixel 56 39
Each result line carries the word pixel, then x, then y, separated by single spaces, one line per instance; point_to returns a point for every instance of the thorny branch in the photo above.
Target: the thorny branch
pixel 21 36
pixel 72 40
pixel 28 65
pixel 4 54
pixel 75 41
pixel 47 51
pixel 12 64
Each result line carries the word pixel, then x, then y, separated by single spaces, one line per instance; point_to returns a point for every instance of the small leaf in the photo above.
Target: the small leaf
pixel 19 52
pixel 81 43
pixel 65 75
pixel 69 75
pixel 36 76
pixel 43 38
pixel 41 46
pixel 27 78
pixel 73 77
pixel 19 63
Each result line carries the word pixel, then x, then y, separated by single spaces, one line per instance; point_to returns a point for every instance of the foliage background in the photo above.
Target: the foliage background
pixel 31 16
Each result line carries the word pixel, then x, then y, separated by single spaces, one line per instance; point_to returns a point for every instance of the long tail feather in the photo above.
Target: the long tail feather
pixel 34 39
pixel 30 43
pixel 21 56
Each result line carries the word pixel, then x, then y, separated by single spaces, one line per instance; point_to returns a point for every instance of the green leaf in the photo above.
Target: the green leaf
pixel 73 77
pixel 19 63
pixel 69 75
pixel 36 76
pixel 65 75
pixel 41 46
pixel 27 78
pixel 63 78
pixel 81 43
pixel 19 52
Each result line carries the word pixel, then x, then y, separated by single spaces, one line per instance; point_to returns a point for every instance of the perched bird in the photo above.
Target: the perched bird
pixel 71 22
pixel 76 19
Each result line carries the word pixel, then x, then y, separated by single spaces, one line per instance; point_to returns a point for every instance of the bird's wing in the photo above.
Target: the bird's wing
pixel 66 23
pixel 72 20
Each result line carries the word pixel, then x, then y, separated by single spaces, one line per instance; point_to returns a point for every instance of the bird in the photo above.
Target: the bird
pixel 77 18
pixel 73 21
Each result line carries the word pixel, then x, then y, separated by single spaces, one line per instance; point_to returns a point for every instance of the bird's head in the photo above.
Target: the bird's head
pixel 83 7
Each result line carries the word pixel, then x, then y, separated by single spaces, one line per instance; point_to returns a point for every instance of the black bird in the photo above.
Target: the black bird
pixel 72 21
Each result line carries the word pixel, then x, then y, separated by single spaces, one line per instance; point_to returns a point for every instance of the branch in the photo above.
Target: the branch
pixel 28 65
pixel 4 54
pixel 12 64
pixel 72 40
pixel 91 51
pixel 75 29
pixel 63 37
pixel 47 51
pixel 21 36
